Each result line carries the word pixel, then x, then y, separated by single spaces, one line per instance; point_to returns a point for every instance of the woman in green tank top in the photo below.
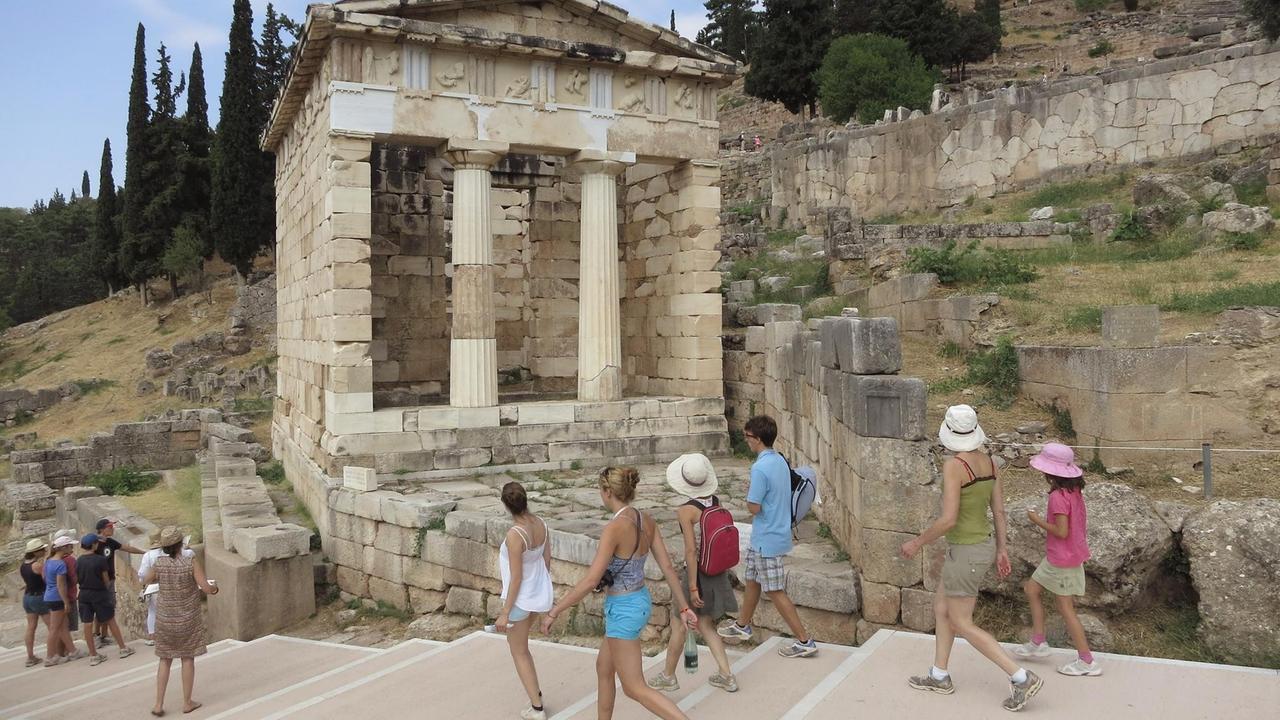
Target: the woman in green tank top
pixel 970 487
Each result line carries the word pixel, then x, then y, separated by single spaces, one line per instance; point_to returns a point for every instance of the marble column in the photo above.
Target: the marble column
pixel 599 285
pixel 473 347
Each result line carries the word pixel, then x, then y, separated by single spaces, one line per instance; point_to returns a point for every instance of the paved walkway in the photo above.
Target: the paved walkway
pixel 472 678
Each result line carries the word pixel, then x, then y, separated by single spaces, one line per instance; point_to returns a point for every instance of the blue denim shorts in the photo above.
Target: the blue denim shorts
pixel 34 605
pixel 626 615
pixel 517 614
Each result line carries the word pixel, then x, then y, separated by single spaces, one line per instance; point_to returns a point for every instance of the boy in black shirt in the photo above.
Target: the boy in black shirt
pixel 97 600
pixel 107 547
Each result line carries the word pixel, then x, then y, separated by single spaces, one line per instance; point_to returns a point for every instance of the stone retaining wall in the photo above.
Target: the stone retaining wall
pixel 19 403
pixel 1183 106
pixel 155 445
pixel 909 300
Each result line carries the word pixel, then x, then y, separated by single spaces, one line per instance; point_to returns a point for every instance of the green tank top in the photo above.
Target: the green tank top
pixel 972 525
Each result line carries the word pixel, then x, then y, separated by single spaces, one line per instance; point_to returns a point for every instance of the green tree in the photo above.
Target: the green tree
pixel 1267 14
pixel 274 54
pixel 989 11
pixel 241 218
pixel 852 17
pixel 864 75
pixel 1131 5
pixel 974 40
pixel 137 159
pixel 163 182
pixel 673 21
pixel 184 258
pixel 792 43
pixel 731 27
pixel 194 163
pixel 84 184
pixel 104 258
pixel 928 27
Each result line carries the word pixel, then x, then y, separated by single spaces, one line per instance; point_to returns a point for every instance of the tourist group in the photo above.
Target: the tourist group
pixel 701 591
pixel 64 590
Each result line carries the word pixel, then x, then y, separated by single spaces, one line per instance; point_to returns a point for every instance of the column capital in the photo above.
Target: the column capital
pixel 475 154
pixel 601 162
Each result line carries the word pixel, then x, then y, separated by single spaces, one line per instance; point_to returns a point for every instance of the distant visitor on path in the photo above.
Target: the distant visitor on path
pixel 618 571
pixel 708 533
pixel 769 502
pixel 32 573
pixel 1066 549
pixel 969 487
pixel 179 630
pixel 524 563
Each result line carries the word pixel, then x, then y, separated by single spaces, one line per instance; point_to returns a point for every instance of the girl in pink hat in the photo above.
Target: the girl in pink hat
pixel 1062 570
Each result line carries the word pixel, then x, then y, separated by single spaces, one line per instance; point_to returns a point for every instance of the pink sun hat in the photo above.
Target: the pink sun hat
pixel 1058 460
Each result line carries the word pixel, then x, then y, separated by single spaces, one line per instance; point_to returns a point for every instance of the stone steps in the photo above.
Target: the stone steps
pixel 281 677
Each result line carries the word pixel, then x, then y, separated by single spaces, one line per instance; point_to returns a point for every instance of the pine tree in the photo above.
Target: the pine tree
pixel 241 218
pixel 137 158
pixel 84 184
pixel 793 41
pixel 851 17
pixel 928 26
pixel 194 164
pixel 732 26
pixel 104 257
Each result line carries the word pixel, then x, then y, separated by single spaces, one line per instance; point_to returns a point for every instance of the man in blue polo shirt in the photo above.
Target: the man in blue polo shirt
pixel 769 501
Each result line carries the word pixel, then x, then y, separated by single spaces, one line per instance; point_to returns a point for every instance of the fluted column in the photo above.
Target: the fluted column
pixel 599 287
pixel 473 345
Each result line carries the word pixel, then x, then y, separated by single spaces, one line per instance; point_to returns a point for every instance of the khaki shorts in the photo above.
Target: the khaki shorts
pixel 966 566
pixel 1060 580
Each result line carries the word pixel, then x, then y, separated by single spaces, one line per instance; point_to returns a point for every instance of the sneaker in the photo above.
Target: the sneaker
pixel 77 655
pixel 664 682
pixel 1032 650
pixel 106 640
pixel 125 652
pixel 733 631
pixel 33 661
pixel 530 714
pixel 149 642
pixel 931 684
pixel 727 683
pixel 55 660
pixel 1080 668
pixel 97 659
pixel 798 649
pixel 1021 694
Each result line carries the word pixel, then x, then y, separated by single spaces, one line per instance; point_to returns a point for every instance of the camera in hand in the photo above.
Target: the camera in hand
pixel 606 581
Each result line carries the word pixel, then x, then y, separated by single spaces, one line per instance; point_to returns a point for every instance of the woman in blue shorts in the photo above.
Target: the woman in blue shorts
pixel 618 571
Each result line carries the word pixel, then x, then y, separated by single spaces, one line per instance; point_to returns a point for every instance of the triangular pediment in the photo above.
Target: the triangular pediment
pixel 606 24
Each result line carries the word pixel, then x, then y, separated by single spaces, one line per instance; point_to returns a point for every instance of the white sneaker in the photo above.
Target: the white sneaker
pixel 1032 650
pixel 733 631
pixel 1080 668
pixel 664 682
pixel 530 714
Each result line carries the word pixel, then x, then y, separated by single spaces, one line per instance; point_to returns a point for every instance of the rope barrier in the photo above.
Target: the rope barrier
pixel 1147 449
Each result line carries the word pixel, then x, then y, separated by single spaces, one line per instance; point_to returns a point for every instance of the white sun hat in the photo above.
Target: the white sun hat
pixel 692 476
pixel 960 431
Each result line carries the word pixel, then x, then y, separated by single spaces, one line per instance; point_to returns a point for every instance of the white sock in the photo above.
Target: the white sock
pixel 1019 677
pixel 938 674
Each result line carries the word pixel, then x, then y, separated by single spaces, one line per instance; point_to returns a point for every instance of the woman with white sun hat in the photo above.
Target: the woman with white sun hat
pixel 970 487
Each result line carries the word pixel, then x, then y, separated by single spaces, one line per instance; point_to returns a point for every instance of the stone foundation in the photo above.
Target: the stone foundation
pixel 910 300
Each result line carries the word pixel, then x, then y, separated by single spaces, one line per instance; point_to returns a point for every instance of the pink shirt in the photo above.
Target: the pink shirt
pixel 1072 550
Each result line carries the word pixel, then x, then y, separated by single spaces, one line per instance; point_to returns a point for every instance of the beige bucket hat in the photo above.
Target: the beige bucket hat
pixel 693 476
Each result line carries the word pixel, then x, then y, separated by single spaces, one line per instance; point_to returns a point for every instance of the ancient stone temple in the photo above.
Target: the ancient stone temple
pixel 496 232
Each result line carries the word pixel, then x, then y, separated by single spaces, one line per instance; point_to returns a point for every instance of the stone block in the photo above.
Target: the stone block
pixel 867 629
pixel 882 561
pixel 886 406
pixel 463 458
pixel 897 504
pixel 917 609
pixel 465 601
pixel 867 346
pixel 1131 326
pixel 360 479
pixel 546 413
pixel 418 510
pixel 880 602
pixel 272 542
pixel 766 313
pixel 72 495
pixel 754 339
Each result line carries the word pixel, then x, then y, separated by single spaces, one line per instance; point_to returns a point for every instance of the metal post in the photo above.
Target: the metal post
pixel 1207 463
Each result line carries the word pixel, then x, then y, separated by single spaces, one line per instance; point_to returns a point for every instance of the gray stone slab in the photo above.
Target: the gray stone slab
pixel 1131 326
pixel 868 346
pixel 886 406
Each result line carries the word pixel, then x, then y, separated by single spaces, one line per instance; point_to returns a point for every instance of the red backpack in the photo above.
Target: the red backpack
pixel 719 551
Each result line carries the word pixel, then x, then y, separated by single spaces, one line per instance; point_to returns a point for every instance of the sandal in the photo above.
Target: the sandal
pixel 194 707
pixel 33 661
pixel 158 713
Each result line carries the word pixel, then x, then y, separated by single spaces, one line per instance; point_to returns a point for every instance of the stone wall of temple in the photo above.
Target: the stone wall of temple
pixel 1183 106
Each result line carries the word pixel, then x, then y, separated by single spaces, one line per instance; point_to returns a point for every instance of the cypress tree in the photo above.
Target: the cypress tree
pixel 673 21
pixel 989 11
pixel 793 42
pixel 194 166
pixel 162 181
pixel 84 184
pixel 241 220
pixel 732 26
pixel 137 157
pixel 851 17
pixel 104 257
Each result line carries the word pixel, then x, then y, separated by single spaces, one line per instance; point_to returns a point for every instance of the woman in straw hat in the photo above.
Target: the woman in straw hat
pixel 179 630
pixel 32 573
pixel 969 487
pixel 711 596
pixel 153 553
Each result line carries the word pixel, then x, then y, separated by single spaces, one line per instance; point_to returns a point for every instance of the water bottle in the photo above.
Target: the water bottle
pixel 690 653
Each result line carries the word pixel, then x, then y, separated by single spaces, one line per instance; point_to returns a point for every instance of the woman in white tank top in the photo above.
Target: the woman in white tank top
pixel 524 562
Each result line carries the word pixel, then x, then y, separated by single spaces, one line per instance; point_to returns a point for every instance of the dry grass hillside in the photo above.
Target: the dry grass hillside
pixel 101 347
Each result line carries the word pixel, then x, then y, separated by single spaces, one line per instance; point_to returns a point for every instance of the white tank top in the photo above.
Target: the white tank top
pixel 536 594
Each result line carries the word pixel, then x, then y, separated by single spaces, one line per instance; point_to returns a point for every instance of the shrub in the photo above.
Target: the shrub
pixel 1131 228
pixel 864 75
pixel 1215 301
pixel 970 265
pixel 1243 241
pixel 1091 5
pixel 94 386
pixel 1084 318
pixel 1104 47
pixel 1062 422
pixel 996 370
pixel 272 473
pixel 1074 193
pixel 123 481
pixel 1253 194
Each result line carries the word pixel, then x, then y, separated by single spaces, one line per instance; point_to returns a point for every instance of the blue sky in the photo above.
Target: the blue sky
pixel 64 77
